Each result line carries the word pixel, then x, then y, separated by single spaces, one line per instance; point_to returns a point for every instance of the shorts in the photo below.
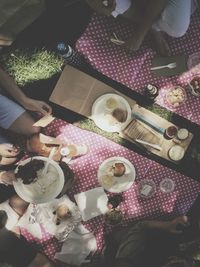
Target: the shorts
pixel 9 112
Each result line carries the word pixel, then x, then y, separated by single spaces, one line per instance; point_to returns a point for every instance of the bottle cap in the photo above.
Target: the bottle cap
pixel 61 46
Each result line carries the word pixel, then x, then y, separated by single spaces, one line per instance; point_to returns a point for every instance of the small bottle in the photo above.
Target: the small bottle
pixel 69 55
pixel 64 50
pixel 151 91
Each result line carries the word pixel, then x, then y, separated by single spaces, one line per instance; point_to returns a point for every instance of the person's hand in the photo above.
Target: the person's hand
pixel 8 150
pixel 37 106
pixel 104 7
pixel 7 177
pixel 176 226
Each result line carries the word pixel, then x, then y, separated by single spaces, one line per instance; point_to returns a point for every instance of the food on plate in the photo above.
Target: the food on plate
pixel 61 213
pixel 119 169
pixel 120 114
pixel 111 103
pixel 107 180
pixel 113 217
pixel 176 96
pixel 28 172
pixel 111 120
pixel 182 134
pixel 195 85
pixel 176 152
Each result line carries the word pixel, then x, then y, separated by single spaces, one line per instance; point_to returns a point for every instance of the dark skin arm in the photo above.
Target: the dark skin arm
pixel 146 12
pixel 168 226
pixel 142 13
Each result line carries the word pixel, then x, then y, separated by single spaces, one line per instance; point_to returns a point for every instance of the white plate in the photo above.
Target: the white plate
pixel 116 184
pixel 99 112
pixel 176 152
pixel 32 193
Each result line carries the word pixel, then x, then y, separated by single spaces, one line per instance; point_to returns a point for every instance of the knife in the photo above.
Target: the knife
pixel 157 147
pixel 148 122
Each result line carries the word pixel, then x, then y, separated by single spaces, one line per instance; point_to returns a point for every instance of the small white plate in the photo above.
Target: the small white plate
pixel 176 152
pixel 32 193
pixel 112 183
pixel 100 111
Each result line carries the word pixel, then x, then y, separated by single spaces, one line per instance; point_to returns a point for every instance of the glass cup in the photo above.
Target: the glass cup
pixel 167 185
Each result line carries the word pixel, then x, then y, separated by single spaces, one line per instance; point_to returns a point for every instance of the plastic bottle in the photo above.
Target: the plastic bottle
pixel 69 54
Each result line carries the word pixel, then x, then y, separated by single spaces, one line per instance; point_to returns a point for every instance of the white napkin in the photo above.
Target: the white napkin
pixel 33 228
pixel 77 247
pixel 121 7
pixel 92 203
pixel 45 216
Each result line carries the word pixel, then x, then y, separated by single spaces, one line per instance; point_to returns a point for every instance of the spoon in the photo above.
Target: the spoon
pixel 47 163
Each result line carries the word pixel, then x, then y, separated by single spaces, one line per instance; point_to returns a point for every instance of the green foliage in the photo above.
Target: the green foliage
pixel 162 112
pixel 28 65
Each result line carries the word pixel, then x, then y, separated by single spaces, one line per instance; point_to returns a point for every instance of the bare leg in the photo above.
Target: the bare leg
pixel 147 12
pixel 18 205
pixel 24 125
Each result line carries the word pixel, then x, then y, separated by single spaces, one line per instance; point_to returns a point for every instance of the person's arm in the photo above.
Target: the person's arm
pixel 168 226
pixel 7 177
pixel 9 85
pixel 149 11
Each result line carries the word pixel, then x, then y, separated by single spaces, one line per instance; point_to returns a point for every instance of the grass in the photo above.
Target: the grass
pixel 162 112
pixel 28 65
pixel 88 124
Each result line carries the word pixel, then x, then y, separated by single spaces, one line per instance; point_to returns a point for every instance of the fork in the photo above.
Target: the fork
pixel 170 66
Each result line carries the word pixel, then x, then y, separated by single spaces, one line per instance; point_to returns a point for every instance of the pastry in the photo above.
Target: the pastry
pixel 120 114
pixel 119 169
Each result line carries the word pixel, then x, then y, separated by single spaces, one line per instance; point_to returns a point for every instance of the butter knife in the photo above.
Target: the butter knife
pixel 157 147
pixel 148 122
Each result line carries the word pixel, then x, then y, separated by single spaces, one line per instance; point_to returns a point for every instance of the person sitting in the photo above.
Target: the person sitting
pixel 15 16
pixel 15 250
pixel 152 243
pixel 169 16
pixel 14 118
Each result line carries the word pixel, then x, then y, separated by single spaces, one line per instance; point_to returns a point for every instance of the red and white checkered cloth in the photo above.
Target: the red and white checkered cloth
pixel 133 207
pixel 133 68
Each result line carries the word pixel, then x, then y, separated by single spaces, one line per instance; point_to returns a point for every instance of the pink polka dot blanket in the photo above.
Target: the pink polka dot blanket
pixel 133 68
pixel 133 206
